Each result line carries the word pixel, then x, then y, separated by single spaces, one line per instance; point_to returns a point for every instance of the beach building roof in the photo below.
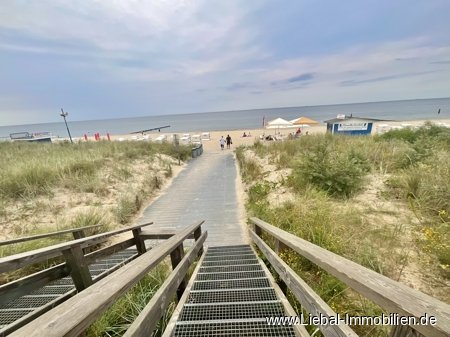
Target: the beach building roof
pixel 341 118
pixel 304 120
pixel 279 123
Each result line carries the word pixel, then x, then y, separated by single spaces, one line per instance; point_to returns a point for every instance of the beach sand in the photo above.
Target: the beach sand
pixel 237 139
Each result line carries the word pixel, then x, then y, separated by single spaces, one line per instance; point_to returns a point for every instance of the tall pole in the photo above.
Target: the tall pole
pixel 64 115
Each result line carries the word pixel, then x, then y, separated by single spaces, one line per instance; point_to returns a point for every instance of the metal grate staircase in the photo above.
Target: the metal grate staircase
pixel 231 295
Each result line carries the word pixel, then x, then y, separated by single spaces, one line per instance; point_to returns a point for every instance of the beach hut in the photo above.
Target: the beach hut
pixel 349 125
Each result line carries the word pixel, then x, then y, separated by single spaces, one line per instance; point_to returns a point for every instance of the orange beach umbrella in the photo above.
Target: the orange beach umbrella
pixel 304 120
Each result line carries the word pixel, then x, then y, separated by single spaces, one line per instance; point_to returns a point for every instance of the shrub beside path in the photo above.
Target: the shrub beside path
pixel 204 190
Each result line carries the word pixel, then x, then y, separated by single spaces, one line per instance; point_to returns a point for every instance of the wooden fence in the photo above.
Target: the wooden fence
pixel 76 314
pixel 392 296
pixel 77 233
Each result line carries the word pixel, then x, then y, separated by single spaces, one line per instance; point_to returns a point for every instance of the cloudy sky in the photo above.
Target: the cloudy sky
pixel 119 58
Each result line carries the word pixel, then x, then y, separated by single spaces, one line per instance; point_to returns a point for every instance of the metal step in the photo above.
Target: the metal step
pixel 230 275
pixel 227 269
pixel 228 311
pixel 230 262
pixel 262 282
pixel 231 296
pixel 232 329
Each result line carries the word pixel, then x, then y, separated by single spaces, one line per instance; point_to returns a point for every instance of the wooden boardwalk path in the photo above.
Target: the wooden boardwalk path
pixel 205 189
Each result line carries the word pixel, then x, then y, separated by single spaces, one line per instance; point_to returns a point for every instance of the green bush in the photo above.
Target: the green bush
pixel 339 174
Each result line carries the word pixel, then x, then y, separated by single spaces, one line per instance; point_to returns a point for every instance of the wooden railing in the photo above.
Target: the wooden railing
pixel 392 296
pixel 76 263
pixel 77 233
pixel 76 314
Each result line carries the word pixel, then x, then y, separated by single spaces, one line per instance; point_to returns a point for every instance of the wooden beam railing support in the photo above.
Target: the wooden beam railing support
pixel 20 260
pixel 27 284
pixel 280 248
pixel 72 317
pixel 78 234
pixel 310 300
pixel 404 331
pixel 149 317
pixel 47 235
pixel 390 295
pixel 78 267
pixel 175 257
pixel 197 235
pixel 140 244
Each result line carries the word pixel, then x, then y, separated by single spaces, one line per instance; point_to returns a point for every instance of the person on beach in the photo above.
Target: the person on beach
pixel 229 142
pixel 222 143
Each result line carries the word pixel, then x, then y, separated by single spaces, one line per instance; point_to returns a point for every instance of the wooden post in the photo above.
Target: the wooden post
pixel 197 234
pixel 404 331
pixel 78 234
pixel 78 267
pixel 176 256
pixel 140 244
pixel 280 247
pixel 258 230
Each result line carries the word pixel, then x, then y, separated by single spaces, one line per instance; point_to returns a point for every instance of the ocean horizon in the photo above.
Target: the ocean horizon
pixel 241 119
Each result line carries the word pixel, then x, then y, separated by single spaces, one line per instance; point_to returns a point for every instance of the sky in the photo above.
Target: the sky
pixel 124 58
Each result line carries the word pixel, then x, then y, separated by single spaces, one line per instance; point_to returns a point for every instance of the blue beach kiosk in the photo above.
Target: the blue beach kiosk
pixel 349 125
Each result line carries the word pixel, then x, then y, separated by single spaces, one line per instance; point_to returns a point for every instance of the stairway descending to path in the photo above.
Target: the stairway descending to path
pixel 231 296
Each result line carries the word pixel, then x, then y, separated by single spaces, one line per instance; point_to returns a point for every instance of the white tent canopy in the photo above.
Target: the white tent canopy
pixel 279 123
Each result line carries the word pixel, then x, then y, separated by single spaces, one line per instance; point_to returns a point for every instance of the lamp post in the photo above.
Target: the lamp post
pixel 64 115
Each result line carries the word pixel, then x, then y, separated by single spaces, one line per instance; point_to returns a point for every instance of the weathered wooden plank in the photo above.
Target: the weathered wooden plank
pixel 78 234
pixel 139 241
pixel 31 282
pixel 404 331
pixel 168 332
pixel 98 254
pixel 79 270
pixel 149 317
pixel 17 261
pixel 306 296
pixel 72 317
pixel 159 233
pixel 175 257
pixel 197 235
pixel 300 330
pixel 36 313
pixel 388 294
pixel 280 248
pixel 46 235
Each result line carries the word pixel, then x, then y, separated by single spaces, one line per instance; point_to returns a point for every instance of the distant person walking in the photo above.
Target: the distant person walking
pixel 222 143
pixel 229 142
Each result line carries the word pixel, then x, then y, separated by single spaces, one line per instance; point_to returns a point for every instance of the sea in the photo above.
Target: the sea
pixel 241 119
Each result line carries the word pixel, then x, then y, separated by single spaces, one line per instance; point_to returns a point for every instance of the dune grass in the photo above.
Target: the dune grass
pixel 115 321
pixel 27 170
pixel 45 182
pixel 327 173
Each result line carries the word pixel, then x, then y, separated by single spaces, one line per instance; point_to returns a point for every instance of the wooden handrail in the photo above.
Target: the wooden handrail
pixel 306 296
pixel 72 317
pixel 47 235
pixel 388 294
pixel 149 317
pixel 17 261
